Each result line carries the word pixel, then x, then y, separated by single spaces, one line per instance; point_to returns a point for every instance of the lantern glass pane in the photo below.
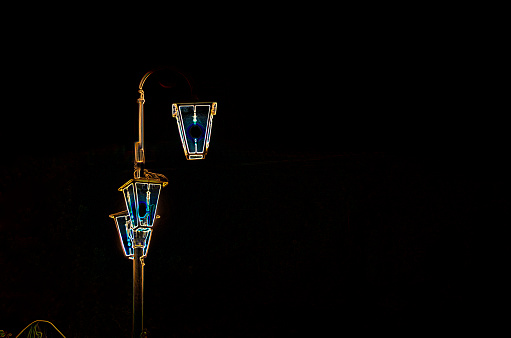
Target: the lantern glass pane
pixel 194 122
pixel 131 203
pixel 147 201
pixel 125 233
pixel 147 240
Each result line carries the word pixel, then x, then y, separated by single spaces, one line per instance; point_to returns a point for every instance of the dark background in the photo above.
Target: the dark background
pixel 285 228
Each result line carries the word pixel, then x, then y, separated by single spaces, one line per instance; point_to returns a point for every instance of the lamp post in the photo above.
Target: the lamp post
pixel 141 194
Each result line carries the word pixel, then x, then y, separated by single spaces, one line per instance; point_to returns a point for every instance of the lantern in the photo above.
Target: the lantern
pixel 141 197
pixel 194 121
pixel 135 224
pixel 128 236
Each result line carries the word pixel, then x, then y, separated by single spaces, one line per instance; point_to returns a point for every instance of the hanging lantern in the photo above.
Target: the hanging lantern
pixel 194 121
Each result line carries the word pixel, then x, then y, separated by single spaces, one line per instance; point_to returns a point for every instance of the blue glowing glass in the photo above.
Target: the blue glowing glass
pixel 147 196
pixel 122 220
pixel 131 202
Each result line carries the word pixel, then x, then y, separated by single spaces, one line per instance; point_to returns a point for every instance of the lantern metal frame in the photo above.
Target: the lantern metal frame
pixel 186 122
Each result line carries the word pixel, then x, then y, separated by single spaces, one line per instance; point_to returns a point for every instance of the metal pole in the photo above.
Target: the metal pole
pixel 139 145
pixel 141 119
pixel 138 287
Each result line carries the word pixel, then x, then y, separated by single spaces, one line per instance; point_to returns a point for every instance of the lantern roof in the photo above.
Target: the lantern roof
pixel 143 180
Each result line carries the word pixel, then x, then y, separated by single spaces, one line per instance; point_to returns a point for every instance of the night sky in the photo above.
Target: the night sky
pixel 283 229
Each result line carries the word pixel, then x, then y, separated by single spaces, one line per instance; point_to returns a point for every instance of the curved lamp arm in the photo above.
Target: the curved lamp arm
pixel 139 145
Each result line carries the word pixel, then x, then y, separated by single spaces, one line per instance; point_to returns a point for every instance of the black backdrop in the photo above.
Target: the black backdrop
pixel 280 230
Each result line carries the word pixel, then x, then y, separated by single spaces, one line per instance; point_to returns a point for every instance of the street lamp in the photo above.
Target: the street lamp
pixel 141 194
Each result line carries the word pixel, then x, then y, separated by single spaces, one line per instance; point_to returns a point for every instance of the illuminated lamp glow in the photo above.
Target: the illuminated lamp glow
pixel 123 223
pixel 194 121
